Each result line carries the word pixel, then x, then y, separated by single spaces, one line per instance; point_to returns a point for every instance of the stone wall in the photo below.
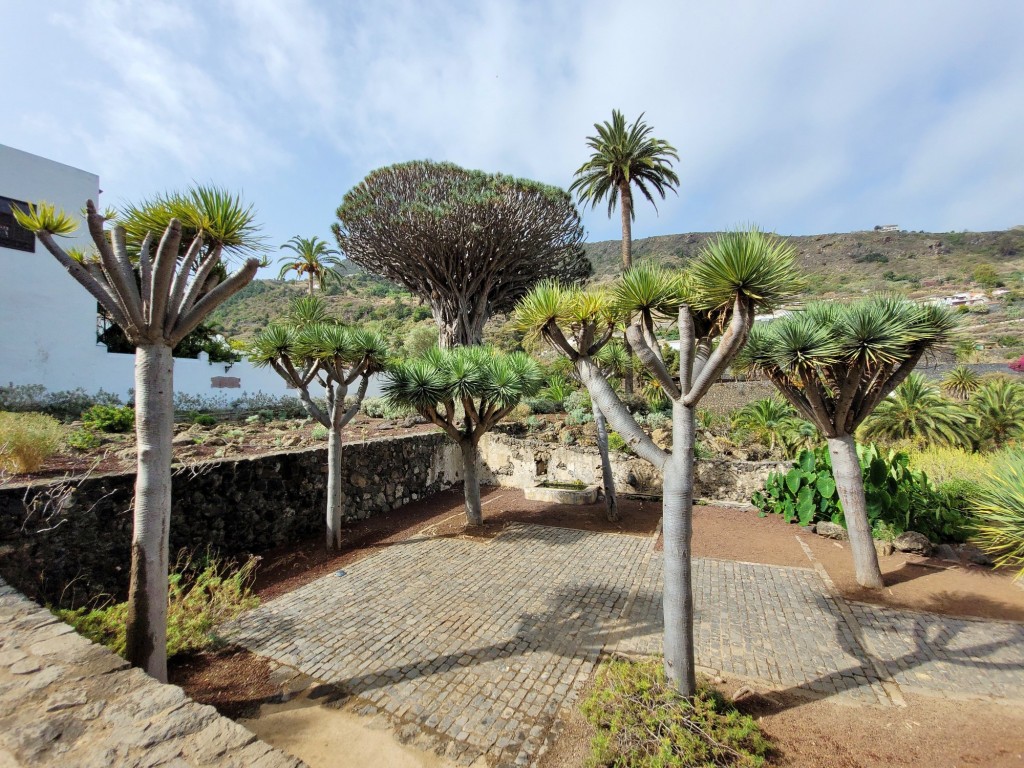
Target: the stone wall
pixel 519 462
pixel 70 548
pixel 65 701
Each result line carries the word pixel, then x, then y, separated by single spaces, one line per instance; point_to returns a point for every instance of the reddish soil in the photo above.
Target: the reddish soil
pixel 817 733
pixel 808 732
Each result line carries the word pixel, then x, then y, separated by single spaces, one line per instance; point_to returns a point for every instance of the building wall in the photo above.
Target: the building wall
pixel 48 321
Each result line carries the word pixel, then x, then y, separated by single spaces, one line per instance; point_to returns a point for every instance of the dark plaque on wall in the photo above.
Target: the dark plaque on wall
pixel 12 234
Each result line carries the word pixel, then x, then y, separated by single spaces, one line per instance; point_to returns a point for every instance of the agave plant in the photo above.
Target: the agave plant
pixel 835 363
pixel 961 382
pixel 996 413
pixel 465 391
pixel 309 347
pixel 999 509
pixel 917 411
pixel 736 274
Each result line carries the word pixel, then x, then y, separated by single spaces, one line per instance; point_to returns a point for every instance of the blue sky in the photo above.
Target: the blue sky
pixel 803 117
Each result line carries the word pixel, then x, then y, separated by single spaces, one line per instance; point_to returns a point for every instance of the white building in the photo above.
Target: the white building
pixel 48 322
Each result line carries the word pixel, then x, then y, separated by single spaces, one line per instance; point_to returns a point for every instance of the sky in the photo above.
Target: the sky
pixel 800 117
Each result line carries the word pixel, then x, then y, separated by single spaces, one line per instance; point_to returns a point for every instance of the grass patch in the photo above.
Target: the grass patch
pixel 201 595
pixel 27 440
pixel 642 722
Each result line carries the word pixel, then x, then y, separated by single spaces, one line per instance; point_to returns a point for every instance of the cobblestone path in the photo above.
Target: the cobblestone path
pixel 483 643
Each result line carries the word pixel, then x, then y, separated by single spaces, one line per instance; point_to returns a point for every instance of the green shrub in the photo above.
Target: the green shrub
pixel 320 432
pixel 542 405
pixel 83 440
pixel 896 495
pixel 616 442
pixel 381 408
pixel 65 405
pixel 200 597
pixel 643 722
pixel 202 419
pixel 946 464
pixel 999 508
pixel 578 416
pixel 27 440
pixel 578 400
pixel 658 420
pixel 533 423
pixel 109 418
pixel 557 390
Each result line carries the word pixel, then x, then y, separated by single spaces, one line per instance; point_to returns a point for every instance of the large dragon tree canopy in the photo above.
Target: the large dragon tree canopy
pixel 468 242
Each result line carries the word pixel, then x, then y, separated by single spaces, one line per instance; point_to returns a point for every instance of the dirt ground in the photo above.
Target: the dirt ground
pixel 809 732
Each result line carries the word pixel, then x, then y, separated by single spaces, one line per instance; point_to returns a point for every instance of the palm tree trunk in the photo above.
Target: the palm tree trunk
pixel 610 502
pixel 626 208
pixel 850 486
pixel 335 494
pixel 146 644
pixel 471 483
pixel 677 530
pixel 310 283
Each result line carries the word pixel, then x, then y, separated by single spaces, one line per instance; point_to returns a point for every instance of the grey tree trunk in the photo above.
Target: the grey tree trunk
pixel 335 494
pixel 471 483
pixel 626 206
pixel 146 645
pixel 850 486
pixel 611 505
pixel 677 531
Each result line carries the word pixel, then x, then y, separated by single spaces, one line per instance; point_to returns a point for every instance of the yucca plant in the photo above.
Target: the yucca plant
pixel 961 382
pixel 999 509
pixel 996 413
pixel 835 363
pixel 735 275
pixel 309 348
pixel 917 411
pixel 589 320
pixel 465 391
pixel 313 259
pixel 174 290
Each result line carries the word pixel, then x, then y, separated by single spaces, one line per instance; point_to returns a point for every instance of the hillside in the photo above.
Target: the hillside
pixel 917 264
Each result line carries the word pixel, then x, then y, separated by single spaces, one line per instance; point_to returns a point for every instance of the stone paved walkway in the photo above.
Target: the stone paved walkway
pixel 482 643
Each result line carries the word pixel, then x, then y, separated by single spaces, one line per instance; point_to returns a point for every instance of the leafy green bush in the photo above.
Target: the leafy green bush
pixel 381 408
pixel 202 419
pixel 557 390
pixel 943 464
pixel 109 418
pixel 542 405
pixel 200 596
pixel 616 442
pixel 643 722
pixel 320 432
pixel 83 440
pixel 27 440
pixel 65 405
pixel 999 508
pixel 897 495
pixel 658 420
pixel 578 399
pixel 578 416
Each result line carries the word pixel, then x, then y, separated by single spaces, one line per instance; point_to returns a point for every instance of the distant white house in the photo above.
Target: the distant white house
pixel 48 322
pixel 888 228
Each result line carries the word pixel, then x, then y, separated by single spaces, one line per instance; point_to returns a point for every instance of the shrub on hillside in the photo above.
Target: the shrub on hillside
pixel 27 440
pixel 109 418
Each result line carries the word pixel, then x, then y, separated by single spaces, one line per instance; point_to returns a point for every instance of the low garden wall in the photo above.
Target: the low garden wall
pixel 519 462
pixel 68 542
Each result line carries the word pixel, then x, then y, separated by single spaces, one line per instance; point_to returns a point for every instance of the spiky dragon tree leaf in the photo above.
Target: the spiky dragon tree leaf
pixel 44 217
pixel 747 263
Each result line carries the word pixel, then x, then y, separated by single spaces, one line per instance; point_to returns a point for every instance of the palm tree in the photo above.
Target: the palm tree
pixel 313 258
pixel 961 382
pixel 835 363
pixel 465 391
pixel 735 275
pixel 771 421
pixel 311 347
pixel 916 411
pixel 175 290
pixel 996 412
pixel 625 156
